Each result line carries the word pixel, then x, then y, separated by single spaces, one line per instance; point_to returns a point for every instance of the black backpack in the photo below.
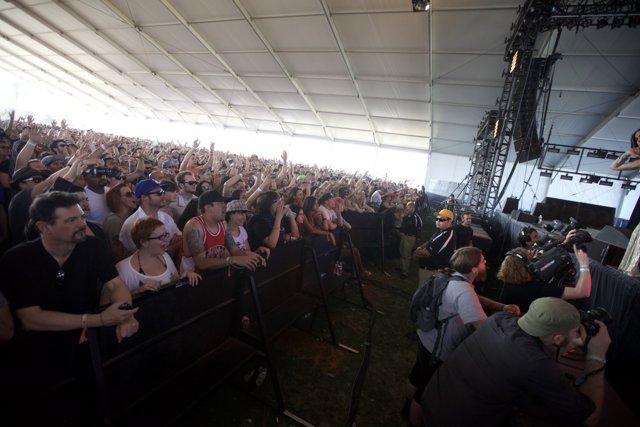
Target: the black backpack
pixel 426 302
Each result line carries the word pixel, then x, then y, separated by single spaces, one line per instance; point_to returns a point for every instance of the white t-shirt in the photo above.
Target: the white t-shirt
pixel 133 278
pixel 125 231
pixel 98 209
pixel 239 240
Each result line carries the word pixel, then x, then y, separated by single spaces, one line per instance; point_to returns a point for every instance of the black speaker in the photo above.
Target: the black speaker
pixel 541 209
pixel 594 216
pixel 510 205
pixel 609 245
pixel 525 217
pixel 525 130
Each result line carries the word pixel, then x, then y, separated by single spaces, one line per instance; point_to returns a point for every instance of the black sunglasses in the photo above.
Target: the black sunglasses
pixel 443 219
pixel 157 193
pixel 191 182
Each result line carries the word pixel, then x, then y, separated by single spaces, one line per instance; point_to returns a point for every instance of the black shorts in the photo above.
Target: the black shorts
pixel 422 371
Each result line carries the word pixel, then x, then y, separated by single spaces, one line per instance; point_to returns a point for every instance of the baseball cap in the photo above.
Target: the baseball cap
pixel 25 173
pixel 236 206
pixel 56 142
pixel 209 197
pixel 446 213
pixel 146 186
pixel 548 316
pixel 169 164
pixel 168 185
pixel 47 160
pixel 325 197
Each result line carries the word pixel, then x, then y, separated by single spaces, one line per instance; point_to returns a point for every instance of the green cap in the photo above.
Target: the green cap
pixel 548 316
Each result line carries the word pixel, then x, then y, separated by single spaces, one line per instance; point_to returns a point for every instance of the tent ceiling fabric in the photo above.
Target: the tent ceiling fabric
pixel 343 70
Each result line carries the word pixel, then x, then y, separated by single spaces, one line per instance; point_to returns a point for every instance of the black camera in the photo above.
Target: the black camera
pixel 552 266
pixel 101 171
pixel 588 318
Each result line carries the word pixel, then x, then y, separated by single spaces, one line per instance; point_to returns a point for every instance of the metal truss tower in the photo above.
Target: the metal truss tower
pixel 527 82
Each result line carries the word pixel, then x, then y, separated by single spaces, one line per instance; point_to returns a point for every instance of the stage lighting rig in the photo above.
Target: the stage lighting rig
pixel 573 152
pixel 421 5
pixel 546 174
pixel 628 186
pixel 590 179
pixel 566 177
pixel 606 183
pixel 553 150
pixel 597 154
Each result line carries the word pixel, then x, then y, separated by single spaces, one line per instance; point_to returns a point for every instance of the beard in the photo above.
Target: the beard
pixel 482 276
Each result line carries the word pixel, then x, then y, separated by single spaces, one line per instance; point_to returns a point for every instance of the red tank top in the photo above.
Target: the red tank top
pixel 213 243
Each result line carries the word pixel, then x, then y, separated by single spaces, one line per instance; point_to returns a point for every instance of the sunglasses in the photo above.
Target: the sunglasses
pixel 156 193
pixel 191 182
pixel 163 236
pixel 119 178
pixel 443 219
pixel 36 179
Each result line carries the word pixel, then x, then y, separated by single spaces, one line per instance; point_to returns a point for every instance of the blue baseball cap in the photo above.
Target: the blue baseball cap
pixel 169 164
pixel 146 186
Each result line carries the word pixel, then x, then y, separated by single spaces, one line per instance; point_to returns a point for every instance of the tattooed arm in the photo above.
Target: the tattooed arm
pixel 193 239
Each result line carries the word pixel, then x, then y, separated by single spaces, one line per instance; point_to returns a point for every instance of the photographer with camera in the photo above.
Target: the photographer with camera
pixel 521 287
pixel 509 363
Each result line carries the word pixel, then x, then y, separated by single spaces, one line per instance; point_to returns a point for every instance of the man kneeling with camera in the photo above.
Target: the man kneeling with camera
pixel 510 362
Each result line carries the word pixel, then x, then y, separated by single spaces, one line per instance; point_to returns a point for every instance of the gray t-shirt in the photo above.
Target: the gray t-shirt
pixel 461 300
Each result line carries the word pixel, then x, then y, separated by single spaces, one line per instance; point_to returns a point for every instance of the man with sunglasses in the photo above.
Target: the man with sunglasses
pixel 96 192
pixel 151 197
pixel 434 254
pixel 50 283
pixel 187 187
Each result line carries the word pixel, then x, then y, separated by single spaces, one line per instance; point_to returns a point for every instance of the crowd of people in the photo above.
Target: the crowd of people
pixel 161 212
pixel 80 207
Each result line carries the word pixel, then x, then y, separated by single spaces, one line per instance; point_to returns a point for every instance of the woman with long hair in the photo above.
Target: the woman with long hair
pixel 121 202
pixel 273 224
pixel 521 289
pixel 312 223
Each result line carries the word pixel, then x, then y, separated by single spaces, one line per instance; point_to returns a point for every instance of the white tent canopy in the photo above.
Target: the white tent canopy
pixel 365 71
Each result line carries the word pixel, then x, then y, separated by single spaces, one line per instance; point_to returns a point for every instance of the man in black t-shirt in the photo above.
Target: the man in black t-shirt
pixel 464 232
pixel 51 284
pixel 436 252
